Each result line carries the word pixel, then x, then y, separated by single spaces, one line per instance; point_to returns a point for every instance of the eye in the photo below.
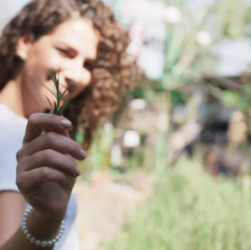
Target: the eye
pixel 89 65
pixel 63 52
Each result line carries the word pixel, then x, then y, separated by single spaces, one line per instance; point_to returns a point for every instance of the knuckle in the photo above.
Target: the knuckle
pixel 21 165
pixel 32 119
pixel 50 137
pixel 44 173
pixel 47 155
pixel 19 155
pixel 20 181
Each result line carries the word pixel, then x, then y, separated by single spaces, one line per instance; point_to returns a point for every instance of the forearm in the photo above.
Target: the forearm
pixel 39 227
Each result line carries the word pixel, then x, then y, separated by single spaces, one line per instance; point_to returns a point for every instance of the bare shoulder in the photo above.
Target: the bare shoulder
pixel 12 205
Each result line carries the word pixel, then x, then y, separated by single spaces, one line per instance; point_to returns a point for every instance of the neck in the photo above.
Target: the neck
pixel 11 96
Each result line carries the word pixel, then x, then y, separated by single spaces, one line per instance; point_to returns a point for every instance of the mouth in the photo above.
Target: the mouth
pixel 62 89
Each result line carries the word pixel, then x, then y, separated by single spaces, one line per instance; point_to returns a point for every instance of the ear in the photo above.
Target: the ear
pixel 23 45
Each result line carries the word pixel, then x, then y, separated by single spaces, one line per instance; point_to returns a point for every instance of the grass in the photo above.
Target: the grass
pixel 190 211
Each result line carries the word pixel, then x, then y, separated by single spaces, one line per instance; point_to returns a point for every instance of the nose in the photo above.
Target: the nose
pixel 73 73
pixel 76 73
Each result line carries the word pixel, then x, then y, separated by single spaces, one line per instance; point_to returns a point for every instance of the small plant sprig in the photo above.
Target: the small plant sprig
pixel 57 110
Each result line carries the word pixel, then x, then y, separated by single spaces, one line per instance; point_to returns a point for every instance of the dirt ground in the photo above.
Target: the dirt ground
pixel 103 206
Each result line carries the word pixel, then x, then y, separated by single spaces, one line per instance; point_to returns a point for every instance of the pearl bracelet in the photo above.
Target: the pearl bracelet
pixel 39 242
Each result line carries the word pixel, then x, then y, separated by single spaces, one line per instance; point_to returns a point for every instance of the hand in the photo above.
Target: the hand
pixel 46 170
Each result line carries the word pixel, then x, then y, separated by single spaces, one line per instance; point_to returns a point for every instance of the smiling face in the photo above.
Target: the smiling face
pixel 72 48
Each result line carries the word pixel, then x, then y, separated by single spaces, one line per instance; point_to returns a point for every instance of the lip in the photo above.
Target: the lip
pixel 62 88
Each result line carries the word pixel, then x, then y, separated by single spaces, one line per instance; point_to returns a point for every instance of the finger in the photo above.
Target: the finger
pixel 38 176
pixel 38 122
pixel 50 158
pixel 62 132
pixel 53 141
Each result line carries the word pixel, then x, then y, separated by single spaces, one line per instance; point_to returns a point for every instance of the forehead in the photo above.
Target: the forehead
pixel 79 34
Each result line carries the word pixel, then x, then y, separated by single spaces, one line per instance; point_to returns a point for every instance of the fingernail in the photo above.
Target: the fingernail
pixel 65 123
pixel 82 154
pixel 77 172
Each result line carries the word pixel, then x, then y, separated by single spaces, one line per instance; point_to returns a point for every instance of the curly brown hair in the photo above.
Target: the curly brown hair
pixel 114 70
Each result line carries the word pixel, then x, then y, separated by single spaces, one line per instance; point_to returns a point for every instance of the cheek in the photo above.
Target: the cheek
pixel 87 77
pixel 86 81
pixel 36 66
pixel 44 58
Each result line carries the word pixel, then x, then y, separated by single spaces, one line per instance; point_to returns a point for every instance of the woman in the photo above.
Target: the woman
pixel 83 40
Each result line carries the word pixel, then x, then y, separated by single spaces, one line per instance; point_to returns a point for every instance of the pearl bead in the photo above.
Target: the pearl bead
pixel 44 244
pixel 38 243
pixel 49 243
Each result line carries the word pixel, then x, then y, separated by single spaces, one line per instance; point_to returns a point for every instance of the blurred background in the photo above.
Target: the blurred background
pixel 171 170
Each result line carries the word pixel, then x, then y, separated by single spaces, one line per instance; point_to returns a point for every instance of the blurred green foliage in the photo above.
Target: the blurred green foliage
pixel 178 97
pixel 186 60
pixel 192 211
pixel 240 100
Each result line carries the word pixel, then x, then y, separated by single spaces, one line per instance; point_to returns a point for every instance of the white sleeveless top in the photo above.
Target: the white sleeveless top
pixel 12 130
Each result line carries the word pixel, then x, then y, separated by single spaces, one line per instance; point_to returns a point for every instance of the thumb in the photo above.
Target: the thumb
pixel 62 132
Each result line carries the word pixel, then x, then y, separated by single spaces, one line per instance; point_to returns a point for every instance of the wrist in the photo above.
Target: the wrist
pixel 45 218
pixel 43 227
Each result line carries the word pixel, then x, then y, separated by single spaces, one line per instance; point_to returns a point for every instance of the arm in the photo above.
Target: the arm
pixel 12 208
pixel 45 162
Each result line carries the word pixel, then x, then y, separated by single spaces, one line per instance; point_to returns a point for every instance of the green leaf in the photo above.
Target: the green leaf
pixel 55 106
pixel 54 78
pixel 66 89
pixel 63 108
pixel 58 110
pixel 59 96
pixel 49 102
